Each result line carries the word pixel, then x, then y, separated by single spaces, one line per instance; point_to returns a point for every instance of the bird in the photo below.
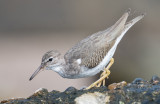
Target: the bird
pixel 91 55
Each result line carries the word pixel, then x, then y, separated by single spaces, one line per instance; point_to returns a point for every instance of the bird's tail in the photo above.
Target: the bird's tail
pixel 116 30
pixel 129 24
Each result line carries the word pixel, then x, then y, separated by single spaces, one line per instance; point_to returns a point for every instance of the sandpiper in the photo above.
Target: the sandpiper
pixel 91 55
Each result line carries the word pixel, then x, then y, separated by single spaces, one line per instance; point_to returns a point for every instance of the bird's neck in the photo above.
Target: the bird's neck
pixel 66 70
pixel 60 68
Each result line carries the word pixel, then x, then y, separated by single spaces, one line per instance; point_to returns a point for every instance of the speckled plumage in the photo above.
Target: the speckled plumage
pixel 94 48
pixel 92 54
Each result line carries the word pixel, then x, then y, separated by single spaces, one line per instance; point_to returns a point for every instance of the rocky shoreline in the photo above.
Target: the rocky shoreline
pixel 139 91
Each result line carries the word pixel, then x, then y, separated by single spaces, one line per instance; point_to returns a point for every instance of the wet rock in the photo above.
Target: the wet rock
pixel 137 92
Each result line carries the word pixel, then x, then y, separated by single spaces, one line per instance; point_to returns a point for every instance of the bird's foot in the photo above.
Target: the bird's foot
pixel 99 81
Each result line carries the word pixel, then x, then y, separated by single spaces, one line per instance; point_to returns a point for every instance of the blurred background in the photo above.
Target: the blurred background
pixel 29 28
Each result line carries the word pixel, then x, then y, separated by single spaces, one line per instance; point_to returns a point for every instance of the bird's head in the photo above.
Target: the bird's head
pixel 50 61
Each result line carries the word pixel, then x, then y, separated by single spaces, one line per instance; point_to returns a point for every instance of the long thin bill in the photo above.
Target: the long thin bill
pixel 36 72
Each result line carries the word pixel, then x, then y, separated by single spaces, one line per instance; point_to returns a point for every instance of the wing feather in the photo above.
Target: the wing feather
pixel 94 48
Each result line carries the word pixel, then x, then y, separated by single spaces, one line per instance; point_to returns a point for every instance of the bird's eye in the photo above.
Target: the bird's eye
pixel 50 59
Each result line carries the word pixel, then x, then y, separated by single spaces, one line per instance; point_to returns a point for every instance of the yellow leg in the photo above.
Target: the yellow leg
pixel 106 70
pixel 104 75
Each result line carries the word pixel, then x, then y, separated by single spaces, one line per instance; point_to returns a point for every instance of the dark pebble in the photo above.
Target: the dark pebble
pixel 138 81
pixel 70 89
pixel 155 79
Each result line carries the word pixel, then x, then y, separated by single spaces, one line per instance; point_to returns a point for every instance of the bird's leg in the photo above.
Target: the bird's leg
pixel 104 75
pixel 99 84
pixel 106 71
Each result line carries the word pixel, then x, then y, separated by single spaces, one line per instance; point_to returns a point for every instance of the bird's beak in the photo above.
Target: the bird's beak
pixel 40 68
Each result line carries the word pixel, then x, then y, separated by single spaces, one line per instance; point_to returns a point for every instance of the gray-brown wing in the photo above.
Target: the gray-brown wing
pixel 96 56
pixel 91 50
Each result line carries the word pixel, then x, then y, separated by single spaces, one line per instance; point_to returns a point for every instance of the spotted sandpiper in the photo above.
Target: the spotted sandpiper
pixel 91 55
